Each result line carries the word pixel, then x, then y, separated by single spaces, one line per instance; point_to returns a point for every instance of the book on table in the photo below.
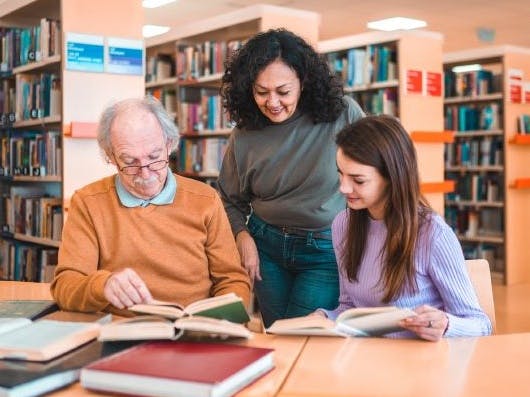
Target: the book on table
pixel 42 340
pixel 226 307
pixel 28 378
pixel 364 321
pixel 175 368
pixel 32 309
pixel 155 327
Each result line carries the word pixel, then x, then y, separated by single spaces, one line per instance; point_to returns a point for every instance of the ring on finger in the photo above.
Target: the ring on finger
pixel 430 324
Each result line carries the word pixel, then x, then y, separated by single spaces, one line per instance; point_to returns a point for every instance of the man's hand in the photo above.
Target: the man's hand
pixel 249 254
pixel 125 288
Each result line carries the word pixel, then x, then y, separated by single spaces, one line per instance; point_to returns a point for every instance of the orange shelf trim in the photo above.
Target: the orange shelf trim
pixel 433 136
pixel 438 187
pixel 521 183
pixel 80 129
pixel 521 139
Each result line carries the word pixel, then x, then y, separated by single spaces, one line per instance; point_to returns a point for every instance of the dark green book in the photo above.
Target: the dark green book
pixel 32 309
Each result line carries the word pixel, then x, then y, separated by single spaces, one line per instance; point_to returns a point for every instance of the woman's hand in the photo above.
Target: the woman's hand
pixel 249 254
pixel 429 324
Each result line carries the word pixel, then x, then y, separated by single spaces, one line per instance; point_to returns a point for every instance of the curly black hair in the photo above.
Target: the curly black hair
pixel 322 91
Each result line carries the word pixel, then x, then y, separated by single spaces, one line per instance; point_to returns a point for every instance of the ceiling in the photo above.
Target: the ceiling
pixel 458 20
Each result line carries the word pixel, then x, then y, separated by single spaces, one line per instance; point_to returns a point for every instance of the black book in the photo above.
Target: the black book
pixel 24 378
pixel 32 309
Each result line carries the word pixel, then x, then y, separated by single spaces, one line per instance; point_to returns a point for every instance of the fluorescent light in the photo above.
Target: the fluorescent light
pixel 467 68
pixel 155 3
pixel 154 30
pixel 396 23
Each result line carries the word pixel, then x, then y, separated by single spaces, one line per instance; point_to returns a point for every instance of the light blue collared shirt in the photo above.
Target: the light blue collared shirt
pixel 166 195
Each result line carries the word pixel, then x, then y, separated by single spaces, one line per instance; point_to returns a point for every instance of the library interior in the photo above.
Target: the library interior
pixel 458 81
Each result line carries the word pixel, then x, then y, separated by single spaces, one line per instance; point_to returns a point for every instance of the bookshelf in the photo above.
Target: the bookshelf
pixel 399 73
pixel 489 159
pixel 40 166
pixel 184 69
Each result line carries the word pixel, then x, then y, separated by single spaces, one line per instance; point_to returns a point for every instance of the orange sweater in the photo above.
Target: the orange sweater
pixel 184 251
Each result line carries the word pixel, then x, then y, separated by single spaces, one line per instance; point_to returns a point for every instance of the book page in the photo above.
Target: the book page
pixel 306 325
pixel 363 311
pixel 9 324
pixel 212 302
pixel 138 328
pixel 213 327
pixel 378 323
pixel 168 310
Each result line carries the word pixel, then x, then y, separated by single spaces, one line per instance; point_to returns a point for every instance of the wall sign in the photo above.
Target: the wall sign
pixel 124 56
pixel 84 52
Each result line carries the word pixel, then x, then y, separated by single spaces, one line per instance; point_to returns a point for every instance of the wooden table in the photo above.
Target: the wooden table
pixel 463 367
pixel 287 348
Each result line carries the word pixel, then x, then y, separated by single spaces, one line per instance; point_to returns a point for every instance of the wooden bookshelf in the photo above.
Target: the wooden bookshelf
pixel 184 70
pixel 82 97
pixel 420 112
pixel 510 167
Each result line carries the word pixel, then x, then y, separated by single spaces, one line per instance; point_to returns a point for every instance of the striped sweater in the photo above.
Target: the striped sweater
pixel 441 277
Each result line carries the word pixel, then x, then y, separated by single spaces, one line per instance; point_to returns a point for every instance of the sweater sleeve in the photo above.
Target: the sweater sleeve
pixel 338 235
pixel 226 271
pixel 236 202
pixel 78 284
pixel 449 274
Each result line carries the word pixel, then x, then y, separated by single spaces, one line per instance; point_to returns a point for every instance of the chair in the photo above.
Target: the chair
pixel 479 273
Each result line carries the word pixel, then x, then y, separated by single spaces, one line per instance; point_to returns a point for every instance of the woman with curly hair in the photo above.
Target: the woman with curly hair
pixel 278 181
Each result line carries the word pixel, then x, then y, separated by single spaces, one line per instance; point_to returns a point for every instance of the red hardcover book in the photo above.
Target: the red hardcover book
pixel 179 369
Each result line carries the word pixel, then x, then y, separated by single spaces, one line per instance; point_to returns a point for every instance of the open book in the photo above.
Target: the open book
pixel 153 327
pixel 364 321
pixel 42 340
pixel 228 307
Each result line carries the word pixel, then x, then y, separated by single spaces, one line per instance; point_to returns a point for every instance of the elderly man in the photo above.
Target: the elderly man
pixel 144 232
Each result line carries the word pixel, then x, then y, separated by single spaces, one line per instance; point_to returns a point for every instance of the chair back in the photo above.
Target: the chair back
pixel 479 273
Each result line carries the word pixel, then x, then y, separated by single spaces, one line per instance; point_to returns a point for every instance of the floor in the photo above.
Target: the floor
pixel 512 308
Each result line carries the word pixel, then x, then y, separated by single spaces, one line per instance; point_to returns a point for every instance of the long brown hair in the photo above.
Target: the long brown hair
pixel 382 142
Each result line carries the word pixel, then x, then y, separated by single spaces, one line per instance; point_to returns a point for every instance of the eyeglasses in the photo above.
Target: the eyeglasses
pixel 135 169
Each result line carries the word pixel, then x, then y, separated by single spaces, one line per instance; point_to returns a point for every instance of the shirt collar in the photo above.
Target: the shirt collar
pixel 166 195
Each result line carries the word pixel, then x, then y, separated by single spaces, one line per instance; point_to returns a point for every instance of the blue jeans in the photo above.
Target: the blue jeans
pixel 299 273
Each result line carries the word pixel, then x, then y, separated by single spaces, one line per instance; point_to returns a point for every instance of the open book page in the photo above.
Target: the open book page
pixel 307 325
pixel 374 321
pixel 45 339
pixel 9 324
pixel 155 327
pixel 138 328
pixel 213 327
pixel 229 307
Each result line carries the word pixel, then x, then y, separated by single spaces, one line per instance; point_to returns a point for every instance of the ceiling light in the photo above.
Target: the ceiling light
pixel 154 30
pixel 467 68
pixel 155 3
pixel 396 23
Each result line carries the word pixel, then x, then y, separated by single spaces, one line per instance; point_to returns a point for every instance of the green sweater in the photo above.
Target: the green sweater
pixel 285 172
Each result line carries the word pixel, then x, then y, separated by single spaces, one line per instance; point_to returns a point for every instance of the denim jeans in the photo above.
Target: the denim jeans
pixel 299 273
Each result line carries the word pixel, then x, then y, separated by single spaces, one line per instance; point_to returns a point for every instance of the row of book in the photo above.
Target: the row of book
pixel 37 95
pixel 166 96
pixel 478 188
pixel 32 211
pixel 471 84
pixel 23 262
pixel 203 155
pixel 206 115
pixel 473 117
pixel 7 101
pixel 484 151
pixel 523 124
pixel 20 46
pixel 30 153
pixel 191 61
pixel 494 254
pixel 488 222
pixel 383 101
pixel 365 65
